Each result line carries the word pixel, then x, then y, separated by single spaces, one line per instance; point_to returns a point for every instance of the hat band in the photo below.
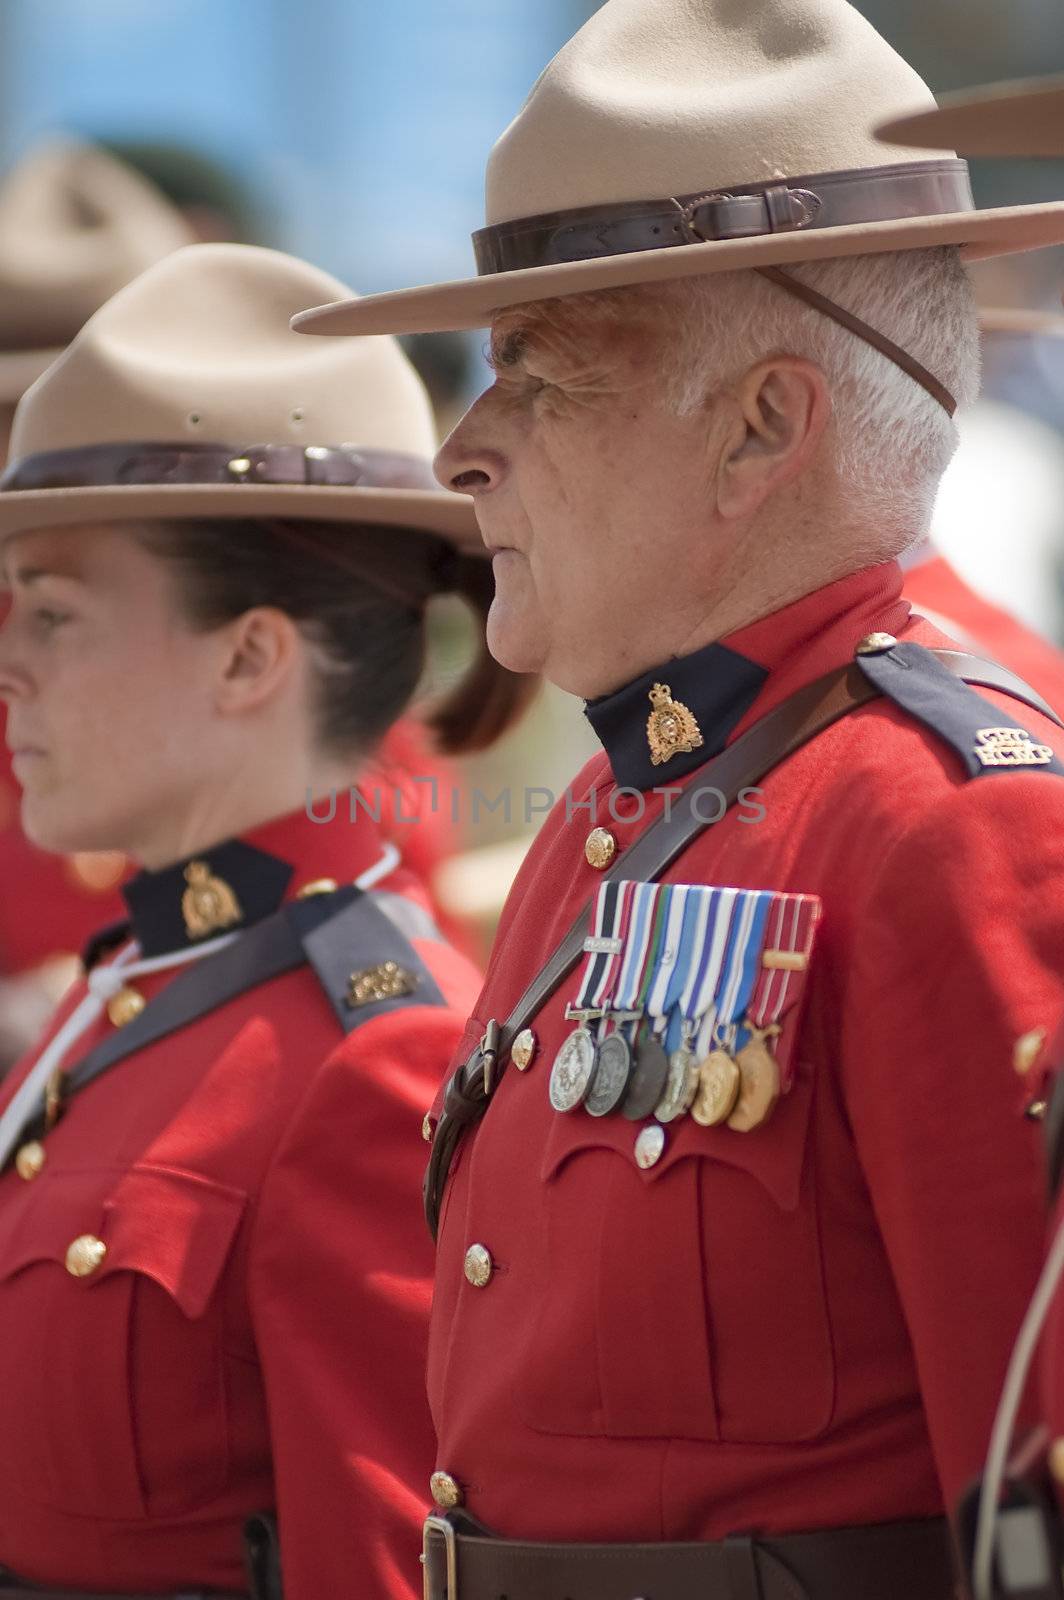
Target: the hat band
pixel 145 463
pixel 742 211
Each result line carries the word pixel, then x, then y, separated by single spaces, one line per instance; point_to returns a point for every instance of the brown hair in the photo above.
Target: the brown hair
pixel 358 593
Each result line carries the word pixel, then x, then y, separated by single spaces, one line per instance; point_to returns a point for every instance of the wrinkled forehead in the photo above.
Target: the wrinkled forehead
pixel 582 321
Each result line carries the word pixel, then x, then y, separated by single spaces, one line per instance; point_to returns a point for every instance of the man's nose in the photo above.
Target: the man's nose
pixel 465 462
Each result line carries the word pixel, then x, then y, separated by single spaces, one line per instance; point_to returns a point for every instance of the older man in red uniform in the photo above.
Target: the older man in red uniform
pixel 728 1273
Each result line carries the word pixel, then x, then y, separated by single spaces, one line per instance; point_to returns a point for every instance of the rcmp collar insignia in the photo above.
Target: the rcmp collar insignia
pixel 230 886
pixel 696 702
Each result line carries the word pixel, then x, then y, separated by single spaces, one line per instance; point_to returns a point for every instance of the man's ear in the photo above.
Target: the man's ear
pixel 783 406
pixel 261 652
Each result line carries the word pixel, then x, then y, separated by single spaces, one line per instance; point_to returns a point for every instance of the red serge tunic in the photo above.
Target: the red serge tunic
pixel 253 1337
pixel 807 1325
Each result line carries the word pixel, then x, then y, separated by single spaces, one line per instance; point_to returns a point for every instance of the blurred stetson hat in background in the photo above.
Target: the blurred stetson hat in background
pixel 670 138
pixel 1021 118
pixel 75 226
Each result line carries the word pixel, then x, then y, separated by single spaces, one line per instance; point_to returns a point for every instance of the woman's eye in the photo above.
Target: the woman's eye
pixel 49 619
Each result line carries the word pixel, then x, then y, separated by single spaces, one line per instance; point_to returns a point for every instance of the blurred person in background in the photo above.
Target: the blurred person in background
pixel 990 575
pixel 75 226
pixel 214 1277
pixel 774 1258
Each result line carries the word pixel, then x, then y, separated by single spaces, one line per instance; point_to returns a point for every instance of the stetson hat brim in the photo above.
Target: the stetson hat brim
pixel 1019 118
pixel 471 302
pixel 449 516
pixel 1022 322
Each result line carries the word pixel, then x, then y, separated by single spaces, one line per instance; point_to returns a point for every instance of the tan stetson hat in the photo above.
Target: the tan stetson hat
pixel 187 395
pixel 75 225
pixel 1022 322
pixel 671 138
pixel 1024 117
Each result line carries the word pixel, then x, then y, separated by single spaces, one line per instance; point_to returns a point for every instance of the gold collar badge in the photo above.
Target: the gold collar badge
pixel 671 727
pixel 387 981
pixel 208 904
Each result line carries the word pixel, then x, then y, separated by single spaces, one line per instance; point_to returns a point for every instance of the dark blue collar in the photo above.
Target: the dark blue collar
pixel 695 701
pixel 217 891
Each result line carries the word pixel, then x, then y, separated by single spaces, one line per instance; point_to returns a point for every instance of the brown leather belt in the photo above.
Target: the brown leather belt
pixel 886 1561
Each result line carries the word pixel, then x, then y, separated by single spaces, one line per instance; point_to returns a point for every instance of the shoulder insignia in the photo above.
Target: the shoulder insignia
pixel 985 738
pixel 365 962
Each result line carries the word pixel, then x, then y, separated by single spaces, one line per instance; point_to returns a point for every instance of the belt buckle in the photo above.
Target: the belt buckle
pixel 445 1529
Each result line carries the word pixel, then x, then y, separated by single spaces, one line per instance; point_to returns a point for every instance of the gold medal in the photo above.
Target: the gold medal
pixel 718 1089
pixel 760 1081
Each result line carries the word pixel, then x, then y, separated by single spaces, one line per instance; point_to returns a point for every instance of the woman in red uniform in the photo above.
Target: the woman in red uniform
pixel 214 1280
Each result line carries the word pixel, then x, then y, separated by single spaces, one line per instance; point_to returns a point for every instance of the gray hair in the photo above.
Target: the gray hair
pixel 891 441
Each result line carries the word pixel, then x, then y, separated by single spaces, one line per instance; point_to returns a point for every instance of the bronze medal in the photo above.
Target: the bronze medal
pixel 719 1083
pixel 573 1070
pixel 760 1082
pixel 613 1068
pixel 648 1078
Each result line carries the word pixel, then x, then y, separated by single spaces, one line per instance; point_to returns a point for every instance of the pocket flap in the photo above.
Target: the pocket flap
pixel 773 1154
pixel 174 1227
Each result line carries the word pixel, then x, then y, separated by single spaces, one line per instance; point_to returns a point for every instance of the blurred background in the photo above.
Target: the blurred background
pixel 355 134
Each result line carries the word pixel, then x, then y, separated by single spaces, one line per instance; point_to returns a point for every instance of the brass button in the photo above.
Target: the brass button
pixel 446 1491
pixel 874 644
pixel 523 1049
pixel 1036 1111
pixel 85 1255
pixel 319 886
pixel 1027 1049
pixel 1056 1460
pixel 428 1130
pixel 479 1266
pixel 125 1005
pixel 650 1146
pixel 29 1163
pixel 600 847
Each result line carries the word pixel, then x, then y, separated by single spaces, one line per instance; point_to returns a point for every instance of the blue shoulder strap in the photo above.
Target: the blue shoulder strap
pixel 986 739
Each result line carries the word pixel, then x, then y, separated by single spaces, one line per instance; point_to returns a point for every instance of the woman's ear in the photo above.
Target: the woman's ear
pixel 784 407
pixel 262 650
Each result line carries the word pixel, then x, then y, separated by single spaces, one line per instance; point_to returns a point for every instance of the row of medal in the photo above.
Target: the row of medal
pixel 682 996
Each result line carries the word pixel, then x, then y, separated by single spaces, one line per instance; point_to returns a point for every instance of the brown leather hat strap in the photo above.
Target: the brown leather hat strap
pixel 863 330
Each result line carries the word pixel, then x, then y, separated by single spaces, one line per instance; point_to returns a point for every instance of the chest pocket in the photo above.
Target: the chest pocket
pixel 113 1382
pixel 686 1301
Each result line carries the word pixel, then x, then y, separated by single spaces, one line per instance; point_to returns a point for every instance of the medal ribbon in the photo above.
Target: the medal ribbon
pixel 616 929
pixel 790 926
pixel 742 965
pixel 701 1006
pixel 694 937
pixel 669 970
pixel 637 946
pixel 598 963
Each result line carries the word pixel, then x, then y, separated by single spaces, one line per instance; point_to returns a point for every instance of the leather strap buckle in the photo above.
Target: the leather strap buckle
pixel 432 1591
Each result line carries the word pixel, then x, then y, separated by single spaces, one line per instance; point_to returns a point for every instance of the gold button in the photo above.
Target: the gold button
pixel 523 1049
pixel 874 644
pixel 1056 1460
pixel 600 848
pixel 319 886
pixel 29 1163
pixel 650 1146
pixel 85 1255
pixel 1027 1049
pixel 125 1005
pixel 1036 1111
pixel 428 1130
pixel 479 1266
pixel 446 1491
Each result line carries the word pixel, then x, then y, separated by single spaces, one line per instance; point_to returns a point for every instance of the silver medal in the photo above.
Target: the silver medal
pixel 573 1069
pixel 680 1086
pixel 613 1068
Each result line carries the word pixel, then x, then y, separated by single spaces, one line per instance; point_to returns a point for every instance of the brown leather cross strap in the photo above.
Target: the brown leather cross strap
pixel 742 211
pixel 878 1562
pixel 742 765
pixel 145 462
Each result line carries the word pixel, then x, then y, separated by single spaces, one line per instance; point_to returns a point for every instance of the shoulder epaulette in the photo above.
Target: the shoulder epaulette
pixel 986 739
pixel 364 961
